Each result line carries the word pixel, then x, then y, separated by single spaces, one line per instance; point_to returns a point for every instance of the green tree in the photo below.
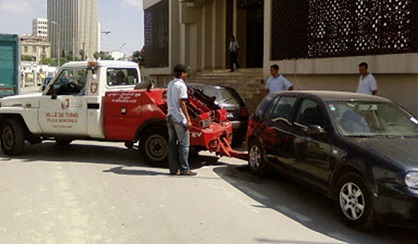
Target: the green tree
pixel 46 61
pixel 138 58
pixel 26 58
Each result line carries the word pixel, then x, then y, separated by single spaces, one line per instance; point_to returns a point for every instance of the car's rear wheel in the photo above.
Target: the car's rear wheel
pixel 12 137
pixel 154 146
pixel 256 160
pixel 354 202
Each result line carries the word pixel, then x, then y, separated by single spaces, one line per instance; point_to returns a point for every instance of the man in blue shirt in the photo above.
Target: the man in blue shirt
pixel 277 82
pixel 178 123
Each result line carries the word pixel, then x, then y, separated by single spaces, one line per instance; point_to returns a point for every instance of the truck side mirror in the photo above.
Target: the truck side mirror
pixel 54 95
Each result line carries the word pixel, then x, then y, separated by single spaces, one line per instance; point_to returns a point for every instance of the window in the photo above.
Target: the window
pixel 309 114
pixel 283 109
pixel 25 49
pixel 69 82
pixel 34 49
pixel 121 77
pixel 270 108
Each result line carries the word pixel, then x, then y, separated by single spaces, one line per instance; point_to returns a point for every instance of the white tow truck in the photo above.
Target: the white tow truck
pixel 104 100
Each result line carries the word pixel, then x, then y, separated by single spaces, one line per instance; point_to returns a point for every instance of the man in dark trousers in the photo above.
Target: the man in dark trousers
pixel 233 53
pixel 178 122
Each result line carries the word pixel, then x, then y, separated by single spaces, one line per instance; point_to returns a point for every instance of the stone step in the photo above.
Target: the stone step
pixel 248 82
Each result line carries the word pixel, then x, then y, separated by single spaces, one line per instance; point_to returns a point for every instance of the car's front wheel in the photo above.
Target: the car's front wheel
pixel 256 160
pixel 354 202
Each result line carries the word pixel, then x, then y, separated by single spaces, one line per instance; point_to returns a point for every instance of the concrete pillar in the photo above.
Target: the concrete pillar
pixel 220 39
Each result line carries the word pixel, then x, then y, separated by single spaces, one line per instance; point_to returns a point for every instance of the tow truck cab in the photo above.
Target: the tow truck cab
pixel 71 105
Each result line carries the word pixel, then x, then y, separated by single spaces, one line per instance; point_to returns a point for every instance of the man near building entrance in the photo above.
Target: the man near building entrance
pixel 277 82
pixel 367 83
pixel 233 53
pixel 178 123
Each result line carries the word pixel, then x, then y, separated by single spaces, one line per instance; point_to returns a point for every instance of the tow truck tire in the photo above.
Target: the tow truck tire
pixel 12 137
pixel 154 146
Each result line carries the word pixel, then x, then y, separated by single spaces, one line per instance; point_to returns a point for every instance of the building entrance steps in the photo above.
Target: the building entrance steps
pixel 249 83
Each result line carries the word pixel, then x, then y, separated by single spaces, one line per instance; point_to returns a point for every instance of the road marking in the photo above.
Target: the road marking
pixel 293 214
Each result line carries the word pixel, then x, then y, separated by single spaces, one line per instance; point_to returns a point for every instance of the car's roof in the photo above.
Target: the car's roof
pixel 334 95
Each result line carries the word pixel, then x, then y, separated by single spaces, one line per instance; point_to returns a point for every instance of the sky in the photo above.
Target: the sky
pixel 124 18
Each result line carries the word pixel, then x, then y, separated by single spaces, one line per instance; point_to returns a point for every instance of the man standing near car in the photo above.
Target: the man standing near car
pixel 367 83
pixel 277 82
pixel 178 123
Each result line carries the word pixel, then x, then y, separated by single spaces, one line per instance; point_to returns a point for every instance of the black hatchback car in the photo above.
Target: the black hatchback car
pixel 360 150
pixel 229 99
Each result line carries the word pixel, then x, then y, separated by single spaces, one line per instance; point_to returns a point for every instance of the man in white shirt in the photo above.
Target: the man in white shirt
pixel 277 82
pixel 233 53
pixel 178 123
pixel 367 83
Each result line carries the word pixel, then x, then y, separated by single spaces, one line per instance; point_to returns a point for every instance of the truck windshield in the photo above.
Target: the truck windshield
pixel 121 76
pixel 69 81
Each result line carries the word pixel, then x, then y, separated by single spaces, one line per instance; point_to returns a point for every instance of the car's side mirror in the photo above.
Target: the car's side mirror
pixel 314 130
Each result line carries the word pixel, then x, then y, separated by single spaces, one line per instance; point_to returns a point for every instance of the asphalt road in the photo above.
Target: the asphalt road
pixel 96 192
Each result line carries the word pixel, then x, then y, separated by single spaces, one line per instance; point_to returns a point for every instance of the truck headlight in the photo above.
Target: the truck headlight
pixel 411 179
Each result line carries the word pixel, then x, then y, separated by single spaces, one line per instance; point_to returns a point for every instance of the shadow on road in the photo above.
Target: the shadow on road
pixel 307 207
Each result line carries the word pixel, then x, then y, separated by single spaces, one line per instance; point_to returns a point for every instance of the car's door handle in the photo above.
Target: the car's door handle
pixel 79 105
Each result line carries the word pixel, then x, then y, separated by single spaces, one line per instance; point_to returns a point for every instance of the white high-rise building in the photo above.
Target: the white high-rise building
pixel 73 27
pixel 40 27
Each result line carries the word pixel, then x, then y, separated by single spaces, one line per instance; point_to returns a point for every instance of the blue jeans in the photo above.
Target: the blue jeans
pixel 179 143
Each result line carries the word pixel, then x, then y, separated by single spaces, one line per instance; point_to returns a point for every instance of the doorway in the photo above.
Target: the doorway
pixel 255 34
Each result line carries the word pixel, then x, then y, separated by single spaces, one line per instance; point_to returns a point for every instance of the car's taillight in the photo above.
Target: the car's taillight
pixel 243 112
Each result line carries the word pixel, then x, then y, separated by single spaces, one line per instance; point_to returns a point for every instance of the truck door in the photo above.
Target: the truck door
pixel 63 107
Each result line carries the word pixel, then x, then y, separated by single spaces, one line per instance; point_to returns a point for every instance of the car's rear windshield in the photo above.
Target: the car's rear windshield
pixel 222 95
pixel 364 118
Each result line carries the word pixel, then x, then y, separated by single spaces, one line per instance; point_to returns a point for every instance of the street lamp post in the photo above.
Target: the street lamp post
pixel 58 40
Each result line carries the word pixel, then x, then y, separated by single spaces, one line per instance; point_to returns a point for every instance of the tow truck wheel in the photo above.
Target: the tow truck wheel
pixel 256 160
pixel 154 146
pixel 12 137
